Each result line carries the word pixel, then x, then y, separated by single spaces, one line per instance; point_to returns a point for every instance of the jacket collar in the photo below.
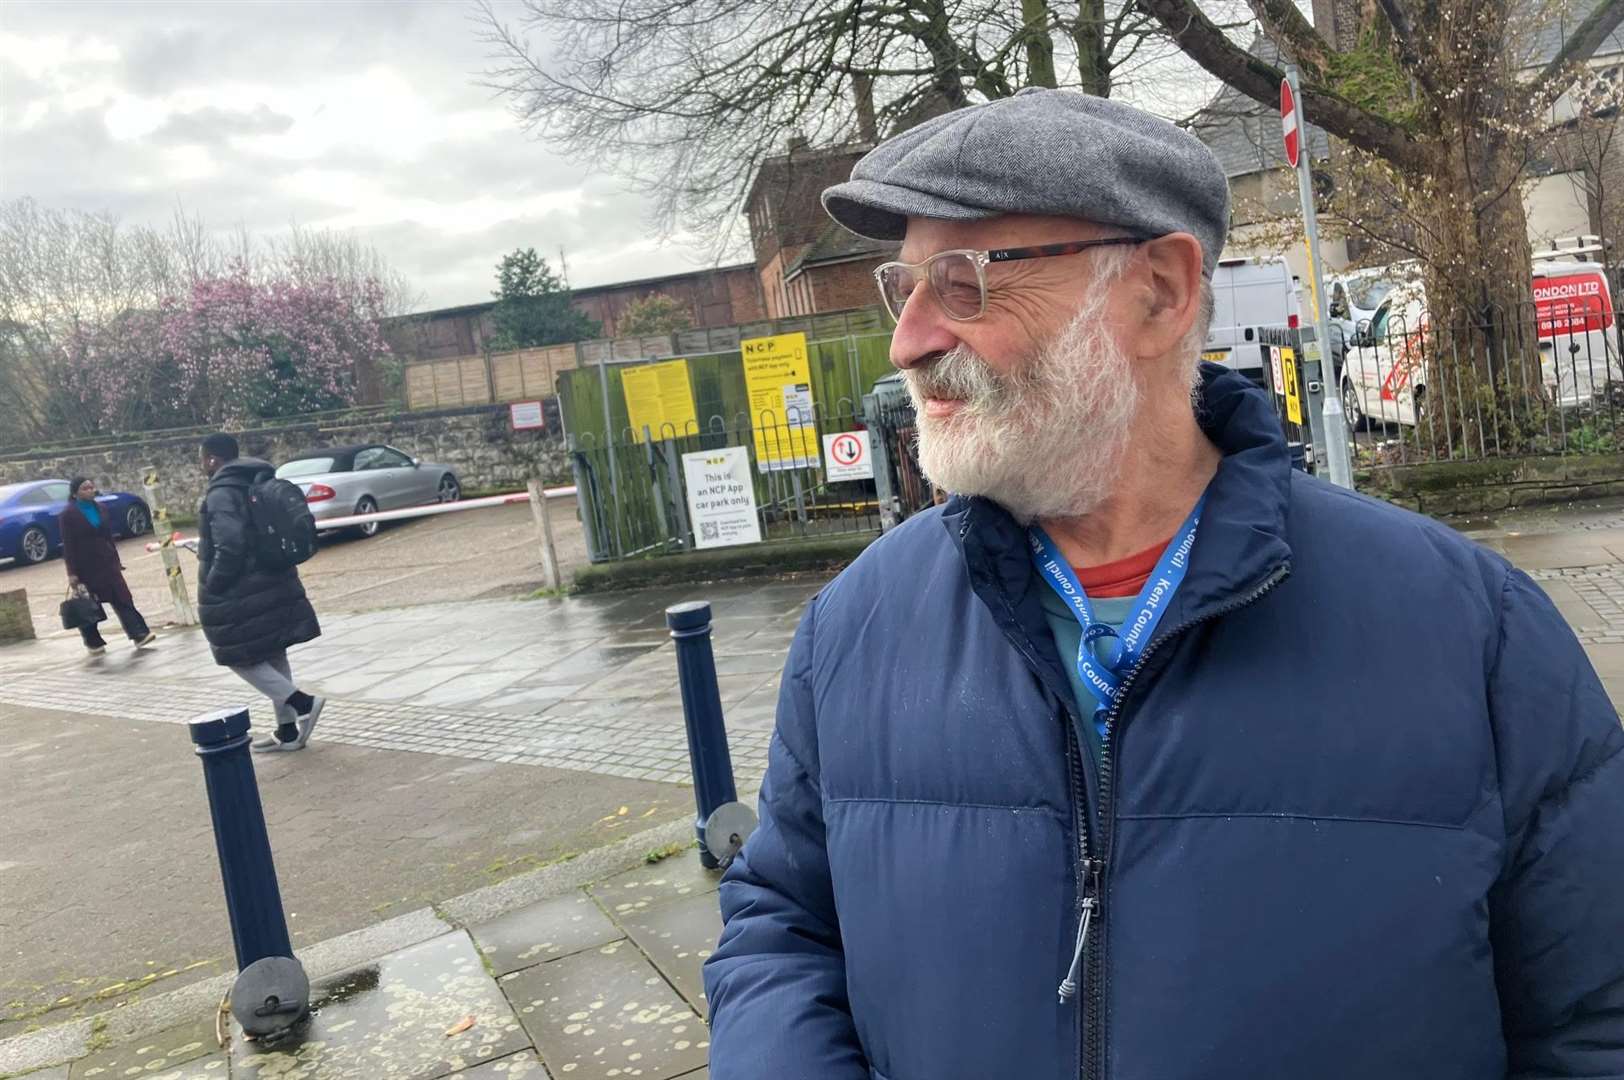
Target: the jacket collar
pixel 1239 548
pixel 240 472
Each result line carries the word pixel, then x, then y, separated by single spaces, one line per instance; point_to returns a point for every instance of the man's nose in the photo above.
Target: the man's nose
pixel 923 333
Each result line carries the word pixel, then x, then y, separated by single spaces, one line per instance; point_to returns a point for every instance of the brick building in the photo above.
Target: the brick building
pixel 805 262
pixel 723 296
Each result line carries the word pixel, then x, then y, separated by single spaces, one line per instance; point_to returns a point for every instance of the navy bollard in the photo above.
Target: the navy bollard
pixel 723 822
pixel 272 991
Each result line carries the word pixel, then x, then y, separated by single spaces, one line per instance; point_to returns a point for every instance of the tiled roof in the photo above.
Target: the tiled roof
pixel 835 244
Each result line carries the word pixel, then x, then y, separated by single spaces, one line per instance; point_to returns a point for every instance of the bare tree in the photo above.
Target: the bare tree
pixel 1587 146
pixel 305 255
pixel 687 99
pixel 80 289
pixel 1446 104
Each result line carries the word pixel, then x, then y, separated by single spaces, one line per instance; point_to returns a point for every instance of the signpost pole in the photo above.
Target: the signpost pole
pixel 654 481
pixel 879 435
pixel 540 510
pixel 1316 357
pixel 678 501
pixel 609 444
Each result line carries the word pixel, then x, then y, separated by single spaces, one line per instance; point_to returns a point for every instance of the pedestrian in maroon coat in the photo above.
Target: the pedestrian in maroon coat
pixel 93 564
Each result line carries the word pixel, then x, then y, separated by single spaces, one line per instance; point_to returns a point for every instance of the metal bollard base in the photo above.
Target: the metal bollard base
pixel 725 832
pixel 270 996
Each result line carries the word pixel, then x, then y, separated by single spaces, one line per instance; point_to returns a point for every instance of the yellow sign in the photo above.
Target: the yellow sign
pixel 1294 405
pixel 659 397
pixel 778 382
pixel 1313 293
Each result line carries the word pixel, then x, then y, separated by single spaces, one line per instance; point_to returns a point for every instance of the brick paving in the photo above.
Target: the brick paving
pixel 1601 589
pixel 631 743
pixel 588 685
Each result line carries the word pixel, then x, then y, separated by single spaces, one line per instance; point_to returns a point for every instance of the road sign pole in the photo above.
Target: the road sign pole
pixel 1319 362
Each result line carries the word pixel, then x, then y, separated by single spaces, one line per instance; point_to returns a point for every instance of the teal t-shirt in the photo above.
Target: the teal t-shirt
pixel 1110 610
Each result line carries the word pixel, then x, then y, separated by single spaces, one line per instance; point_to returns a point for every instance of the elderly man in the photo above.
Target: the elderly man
pixel 1147 757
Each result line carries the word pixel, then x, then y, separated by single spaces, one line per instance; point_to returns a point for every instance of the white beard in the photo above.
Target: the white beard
pixel 1044 442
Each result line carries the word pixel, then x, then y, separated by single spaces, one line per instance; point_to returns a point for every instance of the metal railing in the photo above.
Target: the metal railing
pixel 1545 379
pixel 634 498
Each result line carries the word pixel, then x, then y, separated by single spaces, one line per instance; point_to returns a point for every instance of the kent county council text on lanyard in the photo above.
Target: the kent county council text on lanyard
pixel 1103 675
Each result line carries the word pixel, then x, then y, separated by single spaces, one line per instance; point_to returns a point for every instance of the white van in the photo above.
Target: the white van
pixel 1385 365
pixel 1248 295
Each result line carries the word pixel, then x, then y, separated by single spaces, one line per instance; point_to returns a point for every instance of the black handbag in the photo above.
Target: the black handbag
pixel 81 609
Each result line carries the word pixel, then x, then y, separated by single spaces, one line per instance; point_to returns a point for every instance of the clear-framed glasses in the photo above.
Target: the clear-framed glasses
pixel 958 278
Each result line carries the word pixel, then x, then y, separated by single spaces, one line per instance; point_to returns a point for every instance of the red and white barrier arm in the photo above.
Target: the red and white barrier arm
pixel 405 513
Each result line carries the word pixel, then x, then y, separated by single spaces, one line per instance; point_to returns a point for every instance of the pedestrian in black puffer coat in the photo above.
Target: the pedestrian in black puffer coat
pixel 251 615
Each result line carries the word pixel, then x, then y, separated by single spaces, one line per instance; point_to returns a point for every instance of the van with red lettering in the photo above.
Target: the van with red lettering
pixel 1387 359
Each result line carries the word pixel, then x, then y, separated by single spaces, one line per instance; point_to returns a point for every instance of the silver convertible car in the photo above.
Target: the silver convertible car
pixel 340 481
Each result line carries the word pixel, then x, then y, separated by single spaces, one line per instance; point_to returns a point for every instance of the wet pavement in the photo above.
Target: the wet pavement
pixel 583 683
pixel 476 741
pixel 399 1017
pixel 578 986
pixel 425 561
pixel 1576 554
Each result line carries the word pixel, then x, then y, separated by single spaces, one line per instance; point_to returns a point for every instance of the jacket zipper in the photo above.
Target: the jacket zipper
pixel 1093 906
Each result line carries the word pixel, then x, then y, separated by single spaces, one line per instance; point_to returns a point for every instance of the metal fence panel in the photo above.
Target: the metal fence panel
pixel 634 497
pixel 1545 379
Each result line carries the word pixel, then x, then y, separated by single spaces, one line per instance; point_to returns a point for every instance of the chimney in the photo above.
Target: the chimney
pixel 798 141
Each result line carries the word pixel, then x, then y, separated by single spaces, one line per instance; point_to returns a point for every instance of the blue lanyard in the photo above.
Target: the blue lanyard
pixel 1103 674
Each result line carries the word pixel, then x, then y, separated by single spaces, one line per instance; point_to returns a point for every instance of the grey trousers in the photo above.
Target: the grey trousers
pixel 273 678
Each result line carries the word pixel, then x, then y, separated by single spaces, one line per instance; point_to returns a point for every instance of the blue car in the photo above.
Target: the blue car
pixel 28 513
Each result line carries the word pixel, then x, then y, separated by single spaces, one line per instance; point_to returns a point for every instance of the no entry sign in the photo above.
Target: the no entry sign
pixel 847 456
pixel 1288 123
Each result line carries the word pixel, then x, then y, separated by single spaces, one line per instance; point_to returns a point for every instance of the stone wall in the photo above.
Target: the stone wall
pixel 1485 487
pixel 475 442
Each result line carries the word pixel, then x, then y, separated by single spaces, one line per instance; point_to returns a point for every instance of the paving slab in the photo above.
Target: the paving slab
pixel 677 937
pixel 430 827
pixel 524 1065
pixel 1554 551
pixel 607 1014
pixel 545 931
pixel 394 1019
pixel 163 1052
pixel 213 1067
pixel 1608 660
pixel 647 887
pixel 1579 614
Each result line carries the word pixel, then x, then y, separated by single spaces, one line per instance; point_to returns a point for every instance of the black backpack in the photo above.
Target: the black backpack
pixel 284 532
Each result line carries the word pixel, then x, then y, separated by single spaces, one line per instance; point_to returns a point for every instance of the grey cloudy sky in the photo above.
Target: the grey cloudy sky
pixel 351 115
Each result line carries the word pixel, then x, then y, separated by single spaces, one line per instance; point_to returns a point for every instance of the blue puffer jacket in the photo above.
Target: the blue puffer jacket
pixel 1361 815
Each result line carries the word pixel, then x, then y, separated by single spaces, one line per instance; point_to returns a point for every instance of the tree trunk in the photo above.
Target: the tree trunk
pixel 939 42
pixel 1039 45
pixel 1088 34
pixel 862 87
pixel 1484 388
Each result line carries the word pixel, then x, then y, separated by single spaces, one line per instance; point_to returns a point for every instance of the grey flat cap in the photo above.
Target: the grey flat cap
pixel 1040 152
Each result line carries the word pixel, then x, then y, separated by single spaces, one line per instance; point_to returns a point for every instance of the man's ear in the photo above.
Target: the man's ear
pixel 1171 293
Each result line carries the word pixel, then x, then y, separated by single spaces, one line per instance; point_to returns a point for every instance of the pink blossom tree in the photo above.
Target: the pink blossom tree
pixel 234 348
